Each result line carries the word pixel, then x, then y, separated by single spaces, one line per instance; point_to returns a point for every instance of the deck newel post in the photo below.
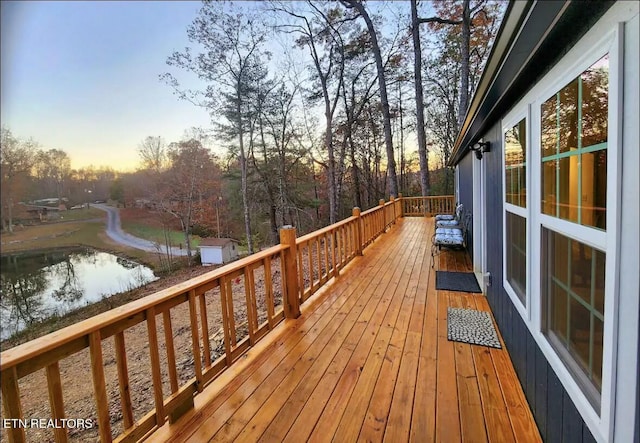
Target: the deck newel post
pixel 292 303
pixel 401 202
pixel 393 208
pixel 383 228
pixel 356 213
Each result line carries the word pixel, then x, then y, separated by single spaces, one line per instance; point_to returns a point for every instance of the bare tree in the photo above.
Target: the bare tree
pixel 16 161
pixel 153 153
pixel 231 59
pixel 320 34
pixel 382 83
pixel 417 72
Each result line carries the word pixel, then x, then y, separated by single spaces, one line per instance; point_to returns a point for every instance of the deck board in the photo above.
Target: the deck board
pixel 368 360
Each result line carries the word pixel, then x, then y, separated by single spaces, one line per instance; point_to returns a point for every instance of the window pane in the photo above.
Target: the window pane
pixel 580 332
pixel 558 311
pixel 517 255
pixel 549 139
pixel 568 195
pixel 559 264
pixel 549 187
pixel 573 292
pixel 568 117
pixel 598 334
pixel 515 163
pixel 595 103
pixel 599 281
pixel 594 189
pixel 581 257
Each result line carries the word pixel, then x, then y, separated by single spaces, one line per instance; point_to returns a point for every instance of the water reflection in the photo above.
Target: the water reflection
pixel 39 285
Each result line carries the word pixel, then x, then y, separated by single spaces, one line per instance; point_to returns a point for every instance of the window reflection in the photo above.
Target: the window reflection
pixel 595 103
pixel 573 290
pixel 515 140
pixel 517 255
pixel 574 124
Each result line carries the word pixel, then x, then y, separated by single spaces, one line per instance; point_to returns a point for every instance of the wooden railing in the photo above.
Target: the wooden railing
pixel 208 321
pixel 428 206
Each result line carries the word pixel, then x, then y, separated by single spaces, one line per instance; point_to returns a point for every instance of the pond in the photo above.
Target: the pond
pixel 43 284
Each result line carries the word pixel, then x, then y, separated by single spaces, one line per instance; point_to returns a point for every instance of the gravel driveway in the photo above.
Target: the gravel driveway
pixel 115 233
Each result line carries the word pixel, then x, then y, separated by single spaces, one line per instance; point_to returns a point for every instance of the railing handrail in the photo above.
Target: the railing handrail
pixel 325 230
pixel 23 352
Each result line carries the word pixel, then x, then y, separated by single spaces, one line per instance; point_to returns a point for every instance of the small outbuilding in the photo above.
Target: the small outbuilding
pixel 217 251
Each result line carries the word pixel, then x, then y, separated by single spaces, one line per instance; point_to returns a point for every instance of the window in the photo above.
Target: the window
pixel 515 221
pixel 574 278
pixel 574 128
pixel 573 146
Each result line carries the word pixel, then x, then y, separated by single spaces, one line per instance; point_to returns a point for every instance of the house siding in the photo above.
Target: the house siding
pixel 557 417
pixel 465 183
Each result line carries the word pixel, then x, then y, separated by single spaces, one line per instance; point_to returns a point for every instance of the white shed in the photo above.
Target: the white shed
pixel 216 251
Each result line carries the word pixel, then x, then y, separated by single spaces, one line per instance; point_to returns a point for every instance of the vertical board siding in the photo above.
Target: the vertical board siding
pixel 554 410
pixel 466 193
pixel 571 423
pixel 556 416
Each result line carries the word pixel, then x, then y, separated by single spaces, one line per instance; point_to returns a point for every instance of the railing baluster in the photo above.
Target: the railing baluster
pixel 204 324
pixel 100 391
pixel 300 261
pixel 12 405
pixel 312 280
pixel 252 314
pixel 225 320
pixel 156 374
pixel 123 379
pixel 231 311
pixel 319 261
pixel 327 267
pixel 195 341
pixel 268 284
pixel 56 400
pixel 171 352
pixel 358 231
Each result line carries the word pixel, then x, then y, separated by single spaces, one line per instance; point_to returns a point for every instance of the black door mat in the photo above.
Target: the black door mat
pixel 471 326
pixel 457 281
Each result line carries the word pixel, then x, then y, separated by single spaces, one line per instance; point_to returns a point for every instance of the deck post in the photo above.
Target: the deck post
pixel 356 213
pixel 401 201
pixel 292 301
pixel 393 208
pixel 383 228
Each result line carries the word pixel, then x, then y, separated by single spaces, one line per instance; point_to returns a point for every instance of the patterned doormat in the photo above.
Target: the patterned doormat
pixel 457 281
pixel 471 326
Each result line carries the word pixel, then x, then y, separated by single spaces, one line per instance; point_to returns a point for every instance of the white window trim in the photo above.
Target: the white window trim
pixel 508 122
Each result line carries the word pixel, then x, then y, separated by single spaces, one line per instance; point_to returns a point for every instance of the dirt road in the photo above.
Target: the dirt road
pixel 115 233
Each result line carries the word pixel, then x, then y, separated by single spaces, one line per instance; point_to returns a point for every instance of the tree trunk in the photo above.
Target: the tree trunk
pixel 243 173
pixel 464 71
pixel 331 166
pixel 384 100
pixel 417 73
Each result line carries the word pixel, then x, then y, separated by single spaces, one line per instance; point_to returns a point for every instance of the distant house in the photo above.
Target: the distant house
pixel 217 251
pixel 547 160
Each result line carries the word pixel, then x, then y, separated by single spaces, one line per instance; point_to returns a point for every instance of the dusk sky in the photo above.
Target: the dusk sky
pixel 83 76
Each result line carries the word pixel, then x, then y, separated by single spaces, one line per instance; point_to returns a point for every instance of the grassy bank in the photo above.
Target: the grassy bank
pixel 88 232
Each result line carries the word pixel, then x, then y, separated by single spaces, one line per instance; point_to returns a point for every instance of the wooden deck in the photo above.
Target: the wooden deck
pixel 368 360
